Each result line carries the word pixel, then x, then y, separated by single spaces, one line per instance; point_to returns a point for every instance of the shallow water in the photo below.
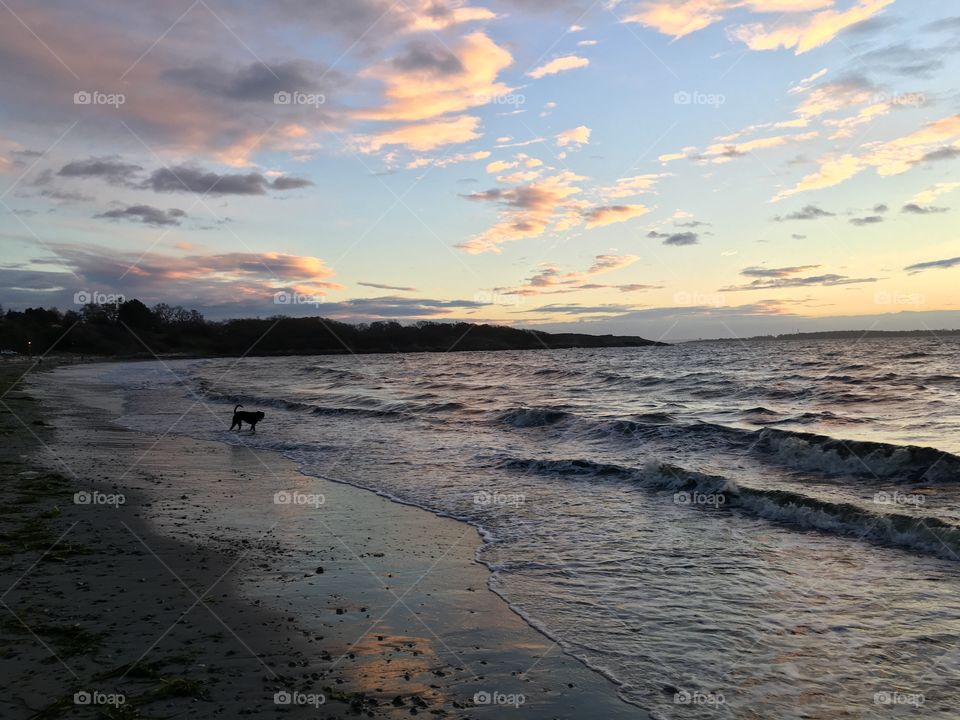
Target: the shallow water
pixel 727 530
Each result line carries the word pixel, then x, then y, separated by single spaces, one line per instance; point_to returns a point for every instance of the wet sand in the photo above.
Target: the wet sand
pixel 205 593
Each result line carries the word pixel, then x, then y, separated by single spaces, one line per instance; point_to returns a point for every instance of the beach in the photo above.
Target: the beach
pixel 171 586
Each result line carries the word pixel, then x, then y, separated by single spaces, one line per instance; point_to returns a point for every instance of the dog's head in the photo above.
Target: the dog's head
pixel 258 415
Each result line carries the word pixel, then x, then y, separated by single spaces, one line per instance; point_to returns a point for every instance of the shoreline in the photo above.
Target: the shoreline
pixel 273 588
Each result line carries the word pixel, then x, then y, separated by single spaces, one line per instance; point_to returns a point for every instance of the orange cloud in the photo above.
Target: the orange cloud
pixel 559 65
pixel 529 211
pixel 574 136
pixel 887 158
pixel 682 17
pixel 452 83
pixel 818 30
pixel 424 136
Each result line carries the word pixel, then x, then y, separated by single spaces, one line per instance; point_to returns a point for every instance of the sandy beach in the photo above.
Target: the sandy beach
pixel 171 586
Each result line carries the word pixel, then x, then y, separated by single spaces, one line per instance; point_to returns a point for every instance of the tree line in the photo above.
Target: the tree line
pixel 131 329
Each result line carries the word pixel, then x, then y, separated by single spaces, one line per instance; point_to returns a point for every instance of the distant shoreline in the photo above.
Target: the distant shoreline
pixel 831 335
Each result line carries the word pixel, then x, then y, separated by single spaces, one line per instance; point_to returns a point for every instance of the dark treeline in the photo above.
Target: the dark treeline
pixel 131 329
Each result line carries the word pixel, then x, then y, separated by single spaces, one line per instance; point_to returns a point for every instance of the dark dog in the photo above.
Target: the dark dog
pixel 251 418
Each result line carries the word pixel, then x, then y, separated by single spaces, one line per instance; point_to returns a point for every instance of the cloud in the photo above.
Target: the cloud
pixel 146 214
pixel 498 166
pixel 915 209
pixel 610 214
pixel 888 158
pixel 528 211
pixel 677 239
pixel 609 309
pixel 635 185
pixel 947 152
pixel 233 279
pixel 559 65
pixel 788 280
pixel 762 272
pixel 448 159
pixel 425 136
pixel 380 286
pixel 188 178
pixel 111 169
pixel 427 82
pixel 550 280
pixel 934 264
pixel 808 212
pixel 257 81
pixel 929 195
pixel 867 220
pixel 577 136
pixel 678 18
pixel 816 30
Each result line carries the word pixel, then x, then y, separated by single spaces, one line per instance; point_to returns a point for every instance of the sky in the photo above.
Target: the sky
pixel 669 168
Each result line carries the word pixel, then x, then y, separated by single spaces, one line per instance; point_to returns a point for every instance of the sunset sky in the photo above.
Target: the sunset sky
pixel 669 168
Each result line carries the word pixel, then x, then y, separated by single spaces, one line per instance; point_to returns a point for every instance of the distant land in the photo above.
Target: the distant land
pixel 838 335
pixel 131 329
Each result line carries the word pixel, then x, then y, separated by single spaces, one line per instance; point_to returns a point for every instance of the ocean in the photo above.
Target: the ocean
pixel 732 530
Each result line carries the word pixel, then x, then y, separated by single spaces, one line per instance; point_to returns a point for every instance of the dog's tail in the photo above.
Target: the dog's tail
pixel 237 407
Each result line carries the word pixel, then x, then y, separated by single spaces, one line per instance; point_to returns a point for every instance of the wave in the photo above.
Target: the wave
pixel 923 534
pixel 910 463
pixel 794 450
pixel 533 417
